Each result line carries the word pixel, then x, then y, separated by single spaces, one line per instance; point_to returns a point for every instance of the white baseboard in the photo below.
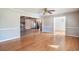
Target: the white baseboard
pixel 73 35
pixel 10 39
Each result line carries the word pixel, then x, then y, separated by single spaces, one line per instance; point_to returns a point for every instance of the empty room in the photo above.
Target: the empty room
pixel 39 29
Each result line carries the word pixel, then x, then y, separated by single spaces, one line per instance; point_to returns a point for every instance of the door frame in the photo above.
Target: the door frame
pixel 64 17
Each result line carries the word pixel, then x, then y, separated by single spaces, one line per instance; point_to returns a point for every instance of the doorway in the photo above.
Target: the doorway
pixel 60 25
pixel 29 25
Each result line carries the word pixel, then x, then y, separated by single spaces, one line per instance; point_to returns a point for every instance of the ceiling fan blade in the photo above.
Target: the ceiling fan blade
pixel 49 12
pixel 52 10
pixel 45 11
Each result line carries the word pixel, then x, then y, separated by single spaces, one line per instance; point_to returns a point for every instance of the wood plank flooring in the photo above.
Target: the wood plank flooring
pixel 39 41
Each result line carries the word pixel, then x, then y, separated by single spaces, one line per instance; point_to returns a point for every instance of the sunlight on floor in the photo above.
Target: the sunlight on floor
pixel 59 33
pixel 54 46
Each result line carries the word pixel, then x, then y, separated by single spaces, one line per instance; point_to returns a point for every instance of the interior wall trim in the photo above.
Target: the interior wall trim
pixel 73 35
pixel 72 27
pixel 10 39
pixel 8 28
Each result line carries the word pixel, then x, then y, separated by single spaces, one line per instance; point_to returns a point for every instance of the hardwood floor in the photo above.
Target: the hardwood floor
pixel 39 41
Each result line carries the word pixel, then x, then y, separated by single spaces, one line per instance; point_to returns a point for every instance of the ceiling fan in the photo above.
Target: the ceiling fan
pixel 45 11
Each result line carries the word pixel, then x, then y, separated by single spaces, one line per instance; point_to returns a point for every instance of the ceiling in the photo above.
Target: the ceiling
pixel 32 10
pixel 38 11
pixel 64 10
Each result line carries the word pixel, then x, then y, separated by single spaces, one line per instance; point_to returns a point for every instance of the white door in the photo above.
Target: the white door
pixel 59 25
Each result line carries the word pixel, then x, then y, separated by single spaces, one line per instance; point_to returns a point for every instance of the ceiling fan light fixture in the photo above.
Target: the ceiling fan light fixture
pixel 47 12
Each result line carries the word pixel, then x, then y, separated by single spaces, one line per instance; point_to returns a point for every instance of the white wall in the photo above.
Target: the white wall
pixel 72 23
pixel 47 24
pixel 10 23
